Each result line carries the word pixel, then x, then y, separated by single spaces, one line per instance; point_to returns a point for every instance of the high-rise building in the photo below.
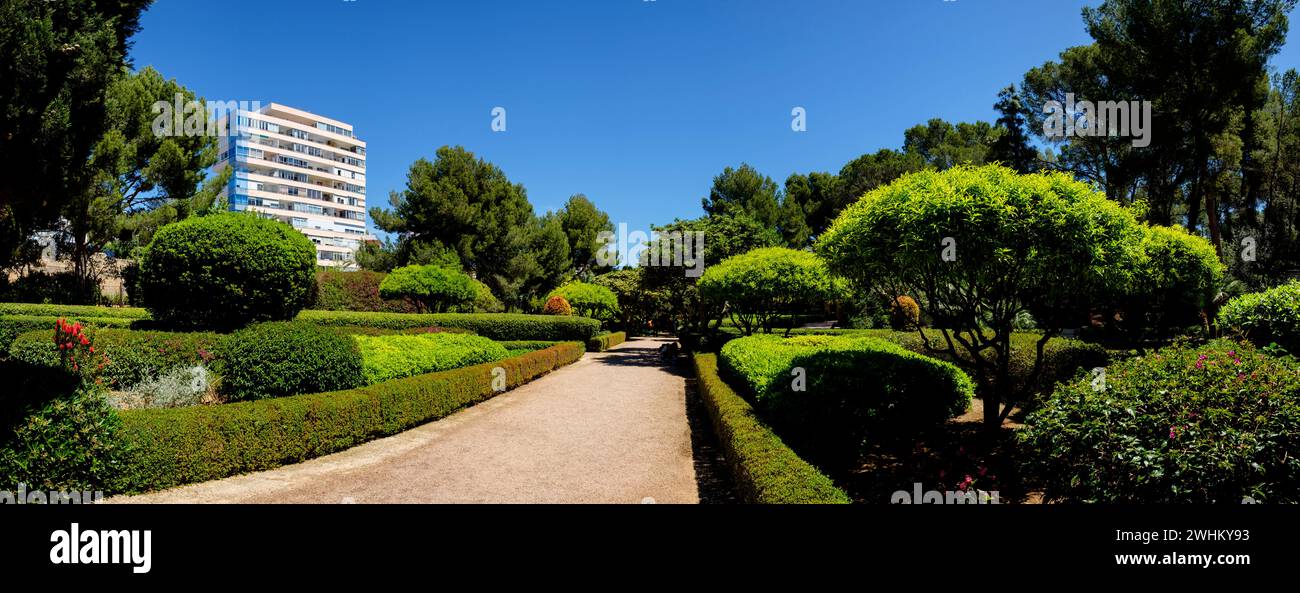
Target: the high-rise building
pixel 300 168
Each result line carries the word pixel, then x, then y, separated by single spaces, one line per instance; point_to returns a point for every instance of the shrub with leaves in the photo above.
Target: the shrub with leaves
pixel 226 271
pixel 827 394
pixel 395 357
pixel 432 289
pixel 278 359
pixel 904 314
pixel 589 300
pixel 1214 424
pixel 1266 318
pixel 761 285
pixel 557 305
pixel 66 443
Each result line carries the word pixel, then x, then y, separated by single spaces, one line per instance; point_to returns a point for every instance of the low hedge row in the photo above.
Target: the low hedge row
pixel 827 395
pixel 766 471
pixel 395 357
pixel 495 326
pixel 606 341
pixel 133 356
pixel 172 447
pixel 81 311
pixel 12 326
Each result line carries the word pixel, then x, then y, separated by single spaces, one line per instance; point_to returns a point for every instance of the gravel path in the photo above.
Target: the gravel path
pixel 610 428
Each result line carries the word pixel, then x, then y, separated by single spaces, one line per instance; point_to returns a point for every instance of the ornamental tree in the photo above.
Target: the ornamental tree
pixel 977 246
pixel 431 288
pixel 762 284
pixel 589 300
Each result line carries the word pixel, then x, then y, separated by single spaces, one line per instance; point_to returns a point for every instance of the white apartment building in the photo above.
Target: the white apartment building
pixel 302 169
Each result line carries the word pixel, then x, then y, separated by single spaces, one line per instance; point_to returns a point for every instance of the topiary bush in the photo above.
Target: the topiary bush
pixel 1266 318
pixel 904 314
pixel 588 300
pixel 557 305
pixel 395 357
pixel 226 271
pixel 431 288
pixel 827 394
pixel 760 285
pixel 1214 424
pixel 496 326
pixel 278 359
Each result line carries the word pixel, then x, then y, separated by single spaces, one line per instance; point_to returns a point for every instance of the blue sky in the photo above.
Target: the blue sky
pixel 637 104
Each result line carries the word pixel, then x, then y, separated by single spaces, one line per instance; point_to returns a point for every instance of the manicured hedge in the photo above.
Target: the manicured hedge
pixel 79 311
pixel 133 356
pixel 606 341
pixel 1215 424
pixel 173 447
pixel 766 471
pixel 853 388
pixel 385 358
pixel 354 291
pixel 495 326
pixel 11 326
pixel 283 358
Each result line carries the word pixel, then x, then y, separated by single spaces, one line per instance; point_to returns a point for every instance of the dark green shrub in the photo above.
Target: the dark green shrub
pixel 133 356
pixel 70 442
pixel 62 288
pixel 386 358
pixel 355 291
pixel 495 326
pixel 432 289
pixel 278 359
pixel 1215 424
pixel 765 470
pixel 852 388
pixel 173 447
pixel 226 271
pixel 606 341
pixel 1265 318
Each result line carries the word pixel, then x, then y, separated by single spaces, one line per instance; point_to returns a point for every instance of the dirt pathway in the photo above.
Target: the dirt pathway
pixel 610 428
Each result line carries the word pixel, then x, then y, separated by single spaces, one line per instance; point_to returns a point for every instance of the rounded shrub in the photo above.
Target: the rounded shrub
pixel 557 305
pixel 278 359
pixel 904 314
pixel 227 270
pixel 431 288
pixel 1214 424
pixel 1266 318
pixel 1178 271
pixel 764 283
pixel 589 300
pixel 828 394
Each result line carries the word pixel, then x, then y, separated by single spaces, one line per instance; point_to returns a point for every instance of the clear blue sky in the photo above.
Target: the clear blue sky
pixel 637 104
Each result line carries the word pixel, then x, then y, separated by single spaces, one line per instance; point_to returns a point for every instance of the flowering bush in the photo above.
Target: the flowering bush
pixel 1213 424
pixel 76 354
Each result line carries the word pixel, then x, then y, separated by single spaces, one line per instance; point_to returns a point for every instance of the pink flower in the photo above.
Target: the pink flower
pixel 1172 433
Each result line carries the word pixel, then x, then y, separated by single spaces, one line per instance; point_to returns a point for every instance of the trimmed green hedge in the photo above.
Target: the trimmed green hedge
pixel 495 326
pixel 853 389
pixel 79 311
pixel 12 326
pixel 766 471
pixel 606 341
pixel 173 447
pixel 395 357
pixel 284 358
pixel 133 356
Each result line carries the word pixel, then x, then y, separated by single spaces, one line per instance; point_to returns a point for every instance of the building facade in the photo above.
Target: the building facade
pixel 302 169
